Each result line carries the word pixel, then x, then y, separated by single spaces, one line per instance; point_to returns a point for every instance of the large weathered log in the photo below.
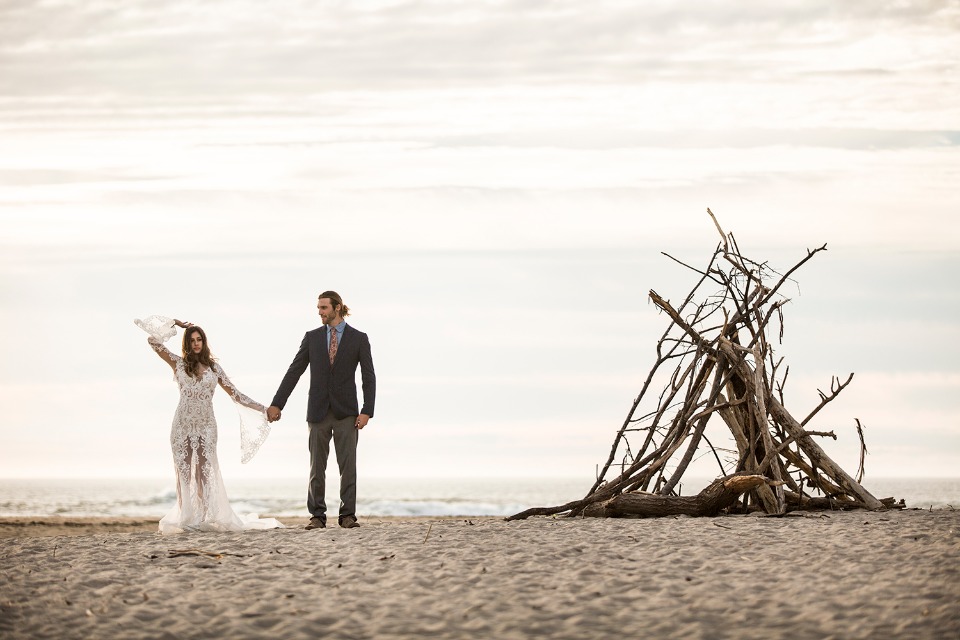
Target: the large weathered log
pixel 716 497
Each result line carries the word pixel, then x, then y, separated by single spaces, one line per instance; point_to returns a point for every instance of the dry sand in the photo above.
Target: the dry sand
pixel 831 575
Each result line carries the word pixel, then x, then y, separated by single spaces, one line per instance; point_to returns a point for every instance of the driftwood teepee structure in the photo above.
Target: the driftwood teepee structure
pixel 716 361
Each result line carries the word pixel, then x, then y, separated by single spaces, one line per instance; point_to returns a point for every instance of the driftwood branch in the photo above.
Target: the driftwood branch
pixel 835 388
pixel 863 451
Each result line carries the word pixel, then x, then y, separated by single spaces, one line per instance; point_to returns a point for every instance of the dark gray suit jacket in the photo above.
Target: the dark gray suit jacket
pixel 332 388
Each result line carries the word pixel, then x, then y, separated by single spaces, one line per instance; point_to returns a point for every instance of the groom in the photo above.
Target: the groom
pixel 333 352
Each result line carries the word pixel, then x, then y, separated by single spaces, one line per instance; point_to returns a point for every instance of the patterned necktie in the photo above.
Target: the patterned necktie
pixel 333 344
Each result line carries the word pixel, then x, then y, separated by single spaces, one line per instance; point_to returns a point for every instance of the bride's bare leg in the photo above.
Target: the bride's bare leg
pixel 190 477
pixel 181 466
pixel 200 472
pixel 179 491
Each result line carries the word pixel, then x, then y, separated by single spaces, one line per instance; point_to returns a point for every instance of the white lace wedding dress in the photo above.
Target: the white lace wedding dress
pixel 202 503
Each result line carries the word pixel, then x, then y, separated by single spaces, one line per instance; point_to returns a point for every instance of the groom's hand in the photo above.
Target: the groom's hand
pixel 362 420
pixel 273 414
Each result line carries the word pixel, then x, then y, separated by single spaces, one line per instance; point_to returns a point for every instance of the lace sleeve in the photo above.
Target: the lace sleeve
pixel 254 427
pixel 160 329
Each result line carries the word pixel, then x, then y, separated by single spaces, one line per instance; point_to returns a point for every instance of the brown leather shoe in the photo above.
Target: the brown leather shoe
pixel 349 522
pixel 316 523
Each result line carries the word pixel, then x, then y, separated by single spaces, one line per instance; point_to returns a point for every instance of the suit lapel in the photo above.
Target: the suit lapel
pixel 345 339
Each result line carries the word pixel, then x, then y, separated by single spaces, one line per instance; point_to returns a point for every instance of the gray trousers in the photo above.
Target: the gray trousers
pixel 345 435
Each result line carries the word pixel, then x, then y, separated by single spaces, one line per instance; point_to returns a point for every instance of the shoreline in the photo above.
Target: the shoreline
pixel 33 526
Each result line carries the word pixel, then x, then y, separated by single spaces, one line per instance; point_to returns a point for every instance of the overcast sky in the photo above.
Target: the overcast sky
pixel 489 185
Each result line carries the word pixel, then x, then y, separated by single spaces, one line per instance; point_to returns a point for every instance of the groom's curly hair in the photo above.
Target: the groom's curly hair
pixel 191 360
pixel 335 299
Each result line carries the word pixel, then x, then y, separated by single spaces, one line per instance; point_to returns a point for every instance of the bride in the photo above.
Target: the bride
pixel 202 503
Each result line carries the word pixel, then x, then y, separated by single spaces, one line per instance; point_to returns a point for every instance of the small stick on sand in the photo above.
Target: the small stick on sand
pixel 175 553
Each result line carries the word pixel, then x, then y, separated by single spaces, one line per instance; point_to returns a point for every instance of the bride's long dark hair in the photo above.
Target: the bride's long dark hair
pixel 191 360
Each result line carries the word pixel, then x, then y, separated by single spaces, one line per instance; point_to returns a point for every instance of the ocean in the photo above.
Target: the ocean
pixel 152 498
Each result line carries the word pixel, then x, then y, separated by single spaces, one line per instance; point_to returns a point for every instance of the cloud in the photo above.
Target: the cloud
pixel 40 177
pixel 613 138
pixel 235 48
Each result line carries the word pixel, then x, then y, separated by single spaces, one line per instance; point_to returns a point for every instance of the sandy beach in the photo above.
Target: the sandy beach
pixel 817 575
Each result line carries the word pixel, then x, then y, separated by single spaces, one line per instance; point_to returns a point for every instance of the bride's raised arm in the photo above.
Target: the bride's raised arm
pixel 160 329
pixel 165 354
